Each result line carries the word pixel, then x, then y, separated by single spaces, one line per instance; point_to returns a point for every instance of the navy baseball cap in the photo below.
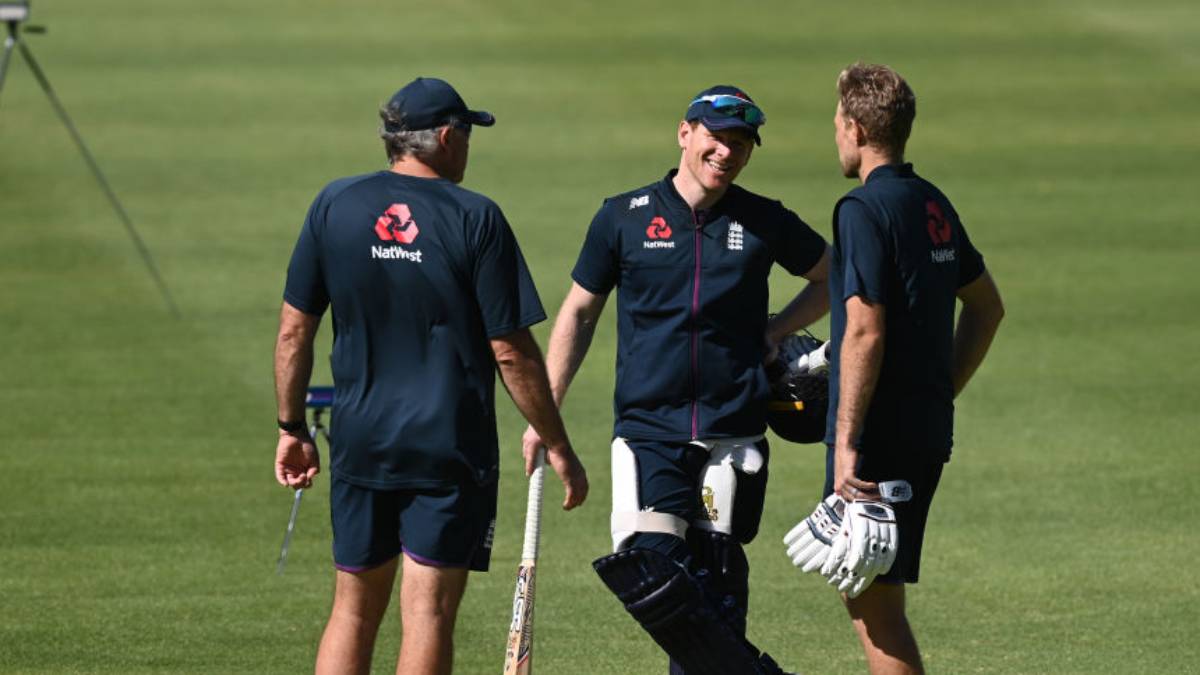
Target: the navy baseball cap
pixel 428 102
pixel 726 107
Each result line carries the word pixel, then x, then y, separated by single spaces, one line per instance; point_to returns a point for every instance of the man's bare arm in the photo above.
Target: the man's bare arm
pixel 296 459
pixel 977 325
pixel 524 375
pixel 861 359
pixel 571 337
pixel 293 360
pixel 810 304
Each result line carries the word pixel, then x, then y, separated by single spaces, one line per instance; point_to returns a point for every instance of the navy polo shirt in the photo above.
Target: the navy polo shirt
pixel 691 306
pixel 898 242
pixel 420 274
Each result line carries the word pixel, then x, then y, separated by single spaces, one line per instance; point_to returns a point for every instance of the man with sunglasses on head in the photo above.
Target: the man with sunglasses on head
pixel 689 256
pixel 430 296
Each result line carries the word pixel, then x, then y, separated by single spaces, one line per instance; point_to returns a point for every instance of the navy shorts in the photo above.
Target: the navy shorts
pixel 440 526
pixel 923 476
pixel 669 482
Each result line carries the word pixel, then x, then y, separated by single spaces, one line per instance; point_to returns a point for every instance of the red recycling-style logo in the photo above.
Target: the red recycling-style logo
pixel 939 227
pixel 659 229
pixel 396 224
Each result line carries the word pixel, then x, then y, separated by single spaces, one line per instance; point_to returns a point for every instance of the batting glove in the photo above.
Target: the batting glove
pixel 811 540
pixel 870 546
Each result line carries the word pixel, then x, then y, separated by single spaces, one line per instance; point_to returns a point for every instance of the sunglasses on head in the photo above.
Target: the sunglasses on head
pixel 727 105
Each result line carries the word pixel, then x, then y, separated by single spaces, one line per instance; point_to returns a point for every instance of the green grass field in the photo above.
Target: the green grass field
pixel 139 518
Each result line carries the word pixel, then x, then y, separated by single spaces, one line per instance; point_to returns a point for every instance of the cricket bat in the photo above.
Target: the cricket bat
pixel 518 658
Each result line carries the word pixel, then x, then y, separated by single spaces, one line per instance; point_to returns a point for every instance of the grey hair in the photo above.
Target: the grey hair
pixel 399 141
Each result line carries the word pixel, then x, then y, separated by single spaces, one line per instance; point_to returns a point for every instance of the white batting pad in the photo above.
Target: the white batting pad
pixel 627 516
pixel 727 458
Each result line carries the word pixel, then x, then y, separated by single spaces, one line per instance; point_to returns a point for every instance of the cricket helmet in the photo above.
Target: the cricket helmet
pixel 799 389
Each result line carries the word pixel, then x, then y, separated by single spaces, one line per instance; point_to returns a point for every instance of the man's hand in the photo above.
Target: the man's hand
pixel 565 463
pixel 530 442
pixel 810 542
pixel 845 483
pixel 772 344
pixel 297 461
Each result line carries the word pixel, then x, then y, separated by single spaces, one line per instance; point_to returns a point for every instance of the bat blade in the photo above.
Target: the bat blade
pixel 518 657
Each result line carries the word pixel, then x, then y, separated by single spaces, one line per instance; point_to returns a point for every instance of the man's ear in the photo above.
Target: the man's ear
pixel 859 132
pixel 443 135
pixel 685 130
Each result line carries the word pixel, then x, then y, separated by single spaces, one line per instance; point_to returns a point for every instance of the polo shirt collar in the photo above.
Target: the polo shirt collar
pixel 892 171
pixel 672 195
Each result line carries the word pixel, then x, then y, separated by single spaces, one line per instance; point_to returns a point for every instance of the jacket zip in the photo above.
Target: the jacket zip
pixel 696 330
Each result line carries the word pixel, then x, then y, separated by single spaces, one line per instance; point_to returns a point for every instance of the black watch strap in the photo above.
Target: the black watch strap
pixel 292 427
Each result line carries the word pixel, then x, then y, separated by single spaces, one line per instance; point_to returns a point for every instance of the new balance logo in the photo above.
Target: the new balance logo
pixel 894 491
pixel 734 241
pixel 491 534
pixel 643 200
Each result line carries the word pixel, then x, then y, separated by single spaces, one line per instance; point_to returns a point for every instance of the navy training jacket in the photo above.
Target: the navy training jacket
pixel 692 305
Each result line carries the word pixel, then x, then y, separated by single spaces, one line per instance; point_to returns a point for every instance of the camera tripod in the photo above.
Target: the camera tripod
pixel 14 42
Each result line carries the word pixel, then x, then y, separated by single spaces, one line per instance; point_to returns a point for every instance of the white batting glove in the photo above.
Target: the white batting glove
pixel 871 548
pixel 832 568
pixel 810 541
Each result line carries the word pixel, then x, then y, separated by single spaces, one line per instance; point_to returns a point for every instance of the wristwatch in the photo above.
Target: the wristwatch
pixel 292 427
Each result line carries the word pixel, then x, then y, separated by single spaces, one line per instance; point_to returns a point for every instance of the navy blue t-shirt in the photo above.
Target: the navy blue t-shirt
pixel 899 243
pixel 692 306
pixel 420 274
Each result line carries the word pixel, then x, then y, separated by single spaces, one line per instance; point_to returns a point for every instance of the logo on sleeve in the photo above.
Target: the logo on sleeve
pixel 641 200
pixel 657 233
pixel 396 224
pixel 939 233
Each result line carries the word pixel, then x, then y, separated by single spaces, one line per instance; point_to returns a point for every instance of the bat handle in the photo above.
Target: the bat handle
pixel 533 510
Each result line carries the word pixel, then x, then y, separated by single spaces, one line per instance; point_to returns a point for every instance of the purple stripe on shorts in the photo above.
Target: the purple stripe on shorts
pixel 427 561
pixel 359 570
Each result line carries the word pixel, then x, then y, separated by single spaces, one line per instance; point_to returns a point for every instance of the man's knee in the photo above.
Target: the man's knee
pixel 363 596
pixel 881 604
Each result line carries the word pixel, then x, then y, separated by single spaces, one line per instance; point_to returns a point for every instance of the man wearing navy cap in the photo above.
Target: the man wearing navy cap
pixel 902 261
pixel 430 294
pixel 689 256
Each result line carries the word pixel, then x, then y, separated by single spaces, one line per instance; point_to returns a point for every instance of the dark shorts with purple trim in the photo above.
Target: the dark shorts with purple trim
pixel 923 476
pixel 441 526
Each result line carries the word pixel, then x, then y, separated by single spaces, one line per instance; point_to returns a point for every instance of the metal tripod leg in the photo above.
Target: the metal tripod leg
pixel 15 41
pixel 9 43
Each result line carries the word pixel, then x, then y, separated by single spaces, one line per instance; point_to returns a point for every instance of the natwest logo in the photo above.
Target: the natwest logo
pixel 659 229
pixel 657 234
pixel 396 224
pixel 935 221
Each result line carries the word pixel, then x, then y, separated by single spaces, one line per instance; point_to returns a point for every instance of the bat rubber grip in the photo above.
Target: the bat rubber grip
pixel 533 510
